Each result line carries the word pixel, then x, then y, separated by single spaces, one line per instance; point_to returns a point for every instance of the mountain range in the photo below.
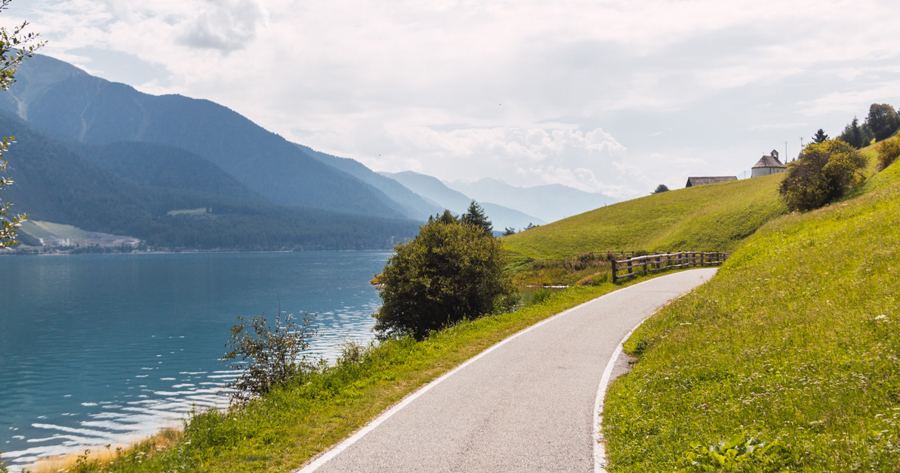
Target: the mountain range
pixel 182 172
pixel 433 190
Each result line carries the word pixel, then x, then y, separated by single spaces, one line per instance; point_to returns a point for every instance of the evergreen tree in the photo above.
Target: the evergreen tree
pixel 854 134
pixel 661 188
pixel 819 137
pixel 509 231
pixel 475 215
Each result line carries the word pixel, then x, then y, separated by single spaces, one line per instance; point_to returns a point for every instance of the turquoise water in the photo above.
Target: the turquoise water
pixel 103 349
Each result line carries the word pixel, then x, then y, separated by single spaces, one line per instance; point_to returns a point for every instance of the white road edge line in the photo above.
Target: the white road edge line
pixel 324 458
pixel 599 445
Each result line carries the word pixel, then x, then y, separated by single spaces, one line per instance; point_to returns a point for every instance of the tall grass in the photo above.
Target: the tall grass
pixel 795 343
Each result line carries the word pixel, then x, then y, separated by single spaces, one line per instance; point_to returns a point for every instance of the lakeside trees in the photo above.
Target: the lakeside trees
pixel 452 270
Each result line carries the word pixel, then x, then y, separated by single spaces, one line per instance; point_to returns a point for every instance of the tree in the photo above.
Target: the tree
pixel 888 152
pixel 660 189
pixel 275 353
pixel 883 120
pixel 15 47
pixel 447 273
pixel 509 231
pixel 475 216
pixel 823 172
pixel 446 217
pixel 854 135
pixel 819 137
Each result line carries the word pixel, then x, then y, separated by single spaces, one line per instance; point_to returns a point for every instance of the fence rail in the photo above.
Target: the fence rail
pixel 662 261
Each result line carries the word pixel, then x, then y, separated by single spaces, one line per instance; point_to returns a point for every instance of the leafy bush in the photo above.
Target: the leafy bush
pixel 449 272
pixel 888 151
pixel 823 172
pixel 275 353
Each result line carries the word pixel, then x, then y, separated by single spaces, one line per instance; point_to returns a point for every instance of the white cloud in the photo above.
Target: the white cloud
pixel 463 88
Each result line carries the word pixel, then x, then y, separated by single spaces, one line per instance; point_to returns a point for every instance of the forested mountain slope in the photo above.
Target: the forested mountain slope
pixel 54 183
pixel 68 104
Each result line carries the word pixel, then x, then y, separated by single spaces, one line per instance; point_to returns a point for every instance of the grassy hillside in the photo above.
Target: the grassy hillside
pixel 710 217
pixel 795 343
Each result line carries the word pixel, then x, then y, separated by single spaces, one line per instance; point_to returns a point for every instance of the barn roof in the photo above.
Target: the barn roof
pixel 699 181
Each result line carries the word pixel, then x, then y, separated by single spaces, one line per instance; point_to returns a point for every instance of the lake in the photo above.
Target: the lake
pixel 105 349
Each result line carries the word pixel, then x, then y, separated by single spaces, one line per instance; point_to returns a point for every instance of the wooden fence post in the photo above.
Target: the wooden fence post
pixel 614 271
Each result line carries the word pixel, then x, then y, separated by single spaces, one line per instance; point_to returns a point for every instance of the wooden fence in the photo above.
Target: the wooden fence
pixel 625 268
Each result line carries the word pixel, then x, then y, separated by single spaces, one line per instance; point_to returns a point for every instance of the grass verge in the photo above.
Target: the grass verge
pixel 290 426
pixel 786 361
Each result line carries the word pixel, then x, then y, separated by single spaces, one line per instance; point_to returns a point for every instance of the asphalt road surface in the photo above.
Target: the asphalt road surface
pixel 525 405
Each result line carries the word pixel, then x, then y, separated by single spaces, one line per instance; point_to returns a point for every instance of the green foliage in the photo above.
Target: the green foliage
pixel 712 217
pixel 3 466
pixel 541 296
pixel 883 120
pixel 822 173
pixel 509 231
pixel 275 354
pixel 738 454
pixel 15 47
pixel 447 273
pixel 475 216
pixel 8 226
pixel 856 135
pixel 796 339
pixel 888 151
pixel 820 137
pixel 660 189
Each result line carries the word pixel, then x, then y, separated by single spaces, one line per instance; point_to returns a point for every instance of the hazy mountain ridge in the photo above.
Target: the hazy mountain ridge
pixel 549 202
pixel 68 104
pixel 414 205
pixel 55 184
pixel 434 190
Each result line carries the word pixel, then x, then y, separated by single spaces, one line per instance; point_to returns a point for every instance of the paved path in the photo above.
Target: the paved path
pixel 527 405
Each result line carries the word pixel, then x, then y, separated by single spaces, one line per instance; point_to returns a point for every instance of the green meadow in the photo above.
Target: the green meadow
pixel 786 361
pixel 711 217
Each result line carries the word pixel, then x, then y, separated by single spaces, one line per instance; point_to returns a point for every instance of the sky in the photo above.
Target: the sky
pixel 605 96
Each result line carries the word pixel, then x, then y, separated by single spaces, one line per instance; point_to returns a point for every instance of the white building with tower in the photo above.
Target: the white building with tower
pixel 768 164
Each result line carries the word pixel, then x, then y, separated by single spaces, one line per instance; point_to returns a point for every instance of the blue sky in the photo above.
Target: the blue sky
pixel 606 96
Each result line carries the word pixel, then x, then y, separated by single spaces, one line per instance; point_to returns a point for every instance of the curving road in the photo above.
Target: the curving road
pixel 526 404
